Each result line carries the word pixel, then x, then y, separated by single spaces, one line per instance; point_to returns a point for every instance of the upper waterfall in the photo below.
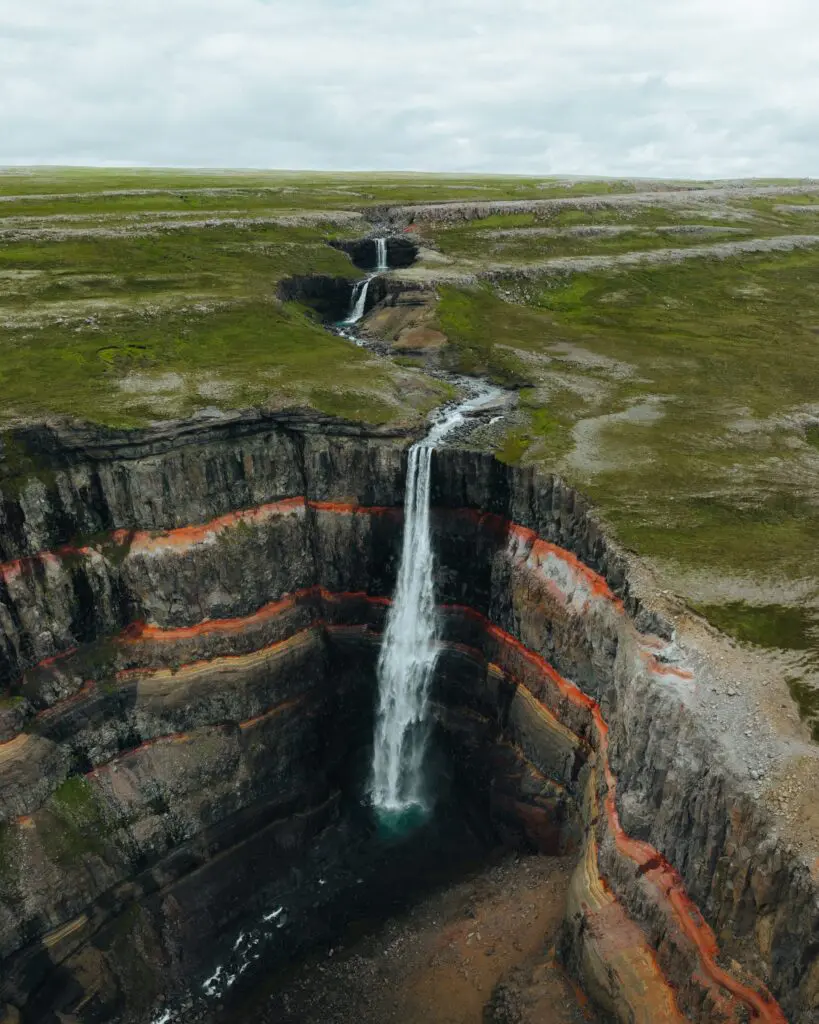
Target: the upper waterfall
pixel 410 649
pixel 381 259
pixel 358 303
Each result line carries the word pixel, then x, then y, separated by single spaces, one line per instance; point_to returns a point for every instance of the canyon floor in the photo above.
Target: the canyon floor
pixel 480 951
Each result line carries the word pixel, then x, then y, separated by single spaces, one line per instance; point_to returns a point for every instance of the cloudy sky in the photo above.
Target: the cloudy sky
pixel 685 88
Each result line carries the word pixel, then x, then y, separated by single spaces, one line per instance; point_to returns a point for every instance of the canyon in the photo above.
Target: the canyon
pixel 192 611
pixel 192 681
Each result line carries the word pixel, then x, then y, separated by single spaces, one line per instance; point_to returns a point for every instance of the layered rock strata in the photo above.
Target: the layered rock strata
pixel 190 622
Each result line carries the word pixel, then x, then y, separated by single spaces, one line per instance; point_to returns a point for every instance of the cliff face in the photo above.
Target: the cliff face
pixel 401 251
pixel 190 619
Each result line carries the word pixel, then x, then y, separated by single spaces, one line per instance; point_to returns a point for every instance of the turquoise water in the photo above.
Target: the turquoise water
pixel 394 824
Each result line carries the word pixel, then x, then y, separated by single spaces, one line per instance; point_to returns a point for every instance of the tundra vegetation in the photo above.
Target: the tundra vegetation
pixel 677 387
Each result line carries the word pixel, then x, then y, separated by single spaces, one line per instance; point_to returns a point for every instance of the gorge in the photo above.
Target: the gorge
pixel 166 728
pixel 229 642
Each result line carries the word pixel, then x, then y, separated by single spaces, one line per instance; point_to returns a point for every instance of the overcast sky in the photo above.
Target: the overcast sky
pixel 684 88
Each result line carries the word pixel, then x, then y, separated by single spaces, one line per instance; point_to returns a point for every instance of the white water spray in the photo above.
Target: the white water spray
pixel 358 303
pixel 410 649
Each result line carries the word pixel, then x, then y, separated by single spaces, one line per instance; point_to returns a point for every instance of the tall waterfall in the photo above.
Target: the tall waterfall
pixel 358 304
pixel 408 654
pixel 410 648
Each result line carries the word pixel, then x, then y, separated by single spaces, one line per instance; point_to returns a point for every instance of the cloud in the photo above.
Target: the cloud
pixel 706 88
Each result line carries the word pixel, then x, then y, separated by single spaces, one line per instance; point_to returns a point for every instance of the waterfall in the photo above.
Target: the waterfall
pixel 358 304
pixel 359 300
pixel 408 654
pixel 381 255
pixel 410 649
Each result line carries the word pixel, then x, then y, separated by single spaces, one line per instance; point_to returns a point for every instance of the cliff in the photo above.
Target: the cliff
pixel 190 620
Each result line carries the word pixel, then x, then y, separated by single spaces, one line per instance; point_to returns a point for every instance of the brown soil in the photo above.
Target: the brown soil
pixel 481 951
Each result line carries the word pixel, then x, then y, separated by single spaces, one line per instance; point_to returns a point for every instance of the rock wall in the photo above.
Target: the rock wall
pixel 401 252
pixel 189 620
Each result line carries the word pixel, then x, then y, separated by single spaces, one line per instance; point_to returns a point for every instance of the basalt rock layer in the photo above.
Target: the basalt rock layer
pixel 190 620
pixel 401 252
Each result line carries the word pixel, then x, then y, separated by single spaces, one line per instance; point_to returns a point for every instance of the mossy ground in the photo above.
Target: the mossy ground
pixel 79 825
pixel 548 234
pixel 167 364
pixel 724 354
pixel 681 397
pixel 123 328
pixel 47 191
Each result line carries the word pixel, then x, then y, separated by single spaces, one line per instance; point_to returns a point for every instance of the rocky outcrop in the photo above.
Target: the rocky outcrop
pixel 328 296
pixel 453 212
pixel 405 321
pixel 190 622
pixel 331 297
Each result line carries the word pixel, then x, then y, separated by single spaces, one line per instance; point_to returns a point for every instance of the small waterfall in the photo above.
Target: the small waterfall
pixel 358 304
pixel 410 649
pixel 381 255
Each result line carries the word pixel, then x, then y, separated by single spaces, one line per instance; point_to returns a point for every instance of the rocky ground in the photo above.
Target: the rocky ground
pixel 471 954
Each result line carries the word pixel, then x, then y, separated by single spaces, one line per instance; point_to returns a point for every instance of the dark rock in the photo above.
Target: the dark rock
pixel 197 706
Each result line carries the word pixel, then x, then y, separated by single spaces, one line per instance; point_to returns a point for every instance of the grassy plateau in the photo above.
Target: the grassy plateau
pixel 663 338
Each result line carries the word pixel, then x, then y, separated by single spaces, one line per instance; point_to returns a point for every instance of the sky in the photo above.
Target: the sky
pixel 670 88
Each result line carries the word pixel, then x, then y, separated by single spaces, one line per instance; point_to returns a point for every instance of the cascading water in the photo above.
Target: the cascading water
pixel 358 304
pixel 381 255
pixel 409 652
pixel 410 649
pixel 359 300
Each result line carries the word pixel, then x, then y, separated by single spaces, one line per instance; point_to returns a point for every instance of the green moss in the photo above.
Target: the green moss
pixel 531 248
pixel 260 191
pixel 714 479
pixel 514 446
pixel 250 353
pixel 484 333
pixel 223 260
pixel 542 420
pixel 495 220
pixel 770 625
pixel 351 404
pixel 75 798
pixel 19 466
pixel 540 427
pixel 710 339
pixel 80 826
pixel 131 329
